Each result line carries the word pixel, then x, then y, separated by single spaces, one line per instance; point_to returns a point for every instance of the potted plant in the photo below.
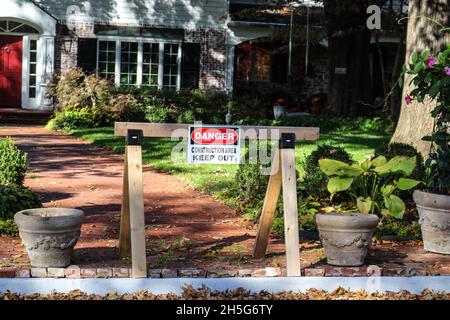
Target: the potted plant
pixel 431 79
pixel 49 234
pixel 346 236
pixel 279 108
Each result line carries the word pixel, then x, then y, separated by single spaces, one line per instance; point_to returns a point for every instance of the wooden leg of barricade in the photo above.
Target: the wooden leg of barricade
pixel 283 176
pixel 133 221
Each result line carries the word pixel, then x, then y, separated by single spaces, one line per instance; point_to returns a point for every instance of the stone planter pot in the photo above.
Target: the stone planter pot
pixel 279 111
pixel 346 237
pixel 49 234
pixel 434 214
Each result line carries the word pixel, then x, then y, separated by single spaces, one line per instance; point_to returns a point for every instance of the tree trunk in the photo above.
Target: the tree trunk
pixel 415 120
pixel 395 100
pixel 349 45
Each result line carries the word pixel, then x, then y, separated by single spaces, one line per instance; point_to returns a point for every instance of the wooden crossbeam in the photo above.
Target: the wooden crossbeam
pixel 165 130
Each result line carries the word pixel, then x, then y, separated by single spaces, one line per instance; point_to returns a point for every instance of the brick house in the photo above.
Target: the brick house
pixel 165 44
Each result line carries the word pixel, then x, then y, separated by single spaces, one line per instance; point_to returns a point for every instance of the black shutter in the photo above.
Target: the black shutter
pixel 87 54
pixel 190 65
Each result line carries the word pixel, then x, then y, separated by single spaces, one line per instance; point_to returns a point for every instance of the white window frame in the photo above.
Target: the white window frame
pixel 98 60
pixel 140 41
pixel 26 100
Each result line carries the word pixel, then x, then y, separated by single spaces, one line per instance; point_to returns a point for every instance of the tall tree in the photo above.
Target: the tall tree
pixel 426 19
pixel 349 45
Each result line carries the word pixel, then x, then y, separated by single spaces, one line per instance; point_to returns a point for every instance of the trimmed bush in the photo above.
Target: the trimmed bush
pixel 15 199
pixel 13 163
pixel 9 228
pixel 392 150
pixel 327 124
pixel 314 183
pixel 85 101
pixel 80 119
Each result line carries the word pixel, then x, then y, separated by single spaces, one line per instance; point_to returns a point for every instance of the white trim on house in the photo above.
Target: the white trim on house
pixel 28 13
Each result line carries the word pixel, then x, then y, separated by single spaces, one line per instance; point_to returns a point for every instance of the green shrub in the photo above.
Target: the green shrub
pixel 85 101
pixel 75 90
pixel 14 199
pixel 314 183
pixel 9 228
pixel 408 227
pixel 250 185
pixel 125 107
pixel 392 150
pixel 160 115
pixel 13 163
pixel 184 106
pixel 326 124
pixel 81 119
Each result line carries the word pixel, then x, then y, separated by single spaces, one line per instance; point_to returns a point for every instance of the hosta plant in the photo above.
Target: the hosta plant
pixel 367 183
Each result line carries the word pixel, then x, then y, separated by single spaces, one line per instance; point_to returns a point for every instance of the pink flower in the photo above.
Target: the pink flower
pixel 431 61
pixel 408 100
pixel 447 71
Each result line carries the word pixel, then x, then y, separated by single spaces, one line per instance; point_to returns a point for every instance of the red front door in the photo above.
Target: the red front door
pixel 10 71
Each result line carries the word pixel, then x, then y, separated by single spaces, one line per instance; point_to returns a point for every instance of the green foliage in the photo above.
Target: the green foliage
pixel 392 150
pixel 9 228
pixel 366 184
pixel 80 119
pixel 327 124
pixel 85 101
pixel 15 199
pixel 408 227
pixel 431 79
pixel 184 106
pixel 250 185
pixel 13 163
pixel 76 90
pixel 315 181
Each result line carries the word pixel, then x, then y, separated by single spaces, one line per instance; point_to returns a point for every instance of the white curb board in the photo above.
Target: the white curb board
pixel 414 285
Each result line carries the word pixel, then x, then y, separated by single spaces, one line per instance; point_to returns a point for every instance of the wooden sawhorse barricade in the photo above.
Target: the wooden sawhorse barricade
pixel 283 176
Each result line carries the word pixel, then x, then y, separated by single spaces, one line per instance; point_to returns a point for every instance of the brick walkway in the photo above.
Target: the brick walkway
pixel 186 230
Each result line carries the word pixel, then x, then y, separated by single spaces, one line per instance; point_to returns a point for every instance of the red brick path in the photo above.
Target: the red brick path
pixel 185 229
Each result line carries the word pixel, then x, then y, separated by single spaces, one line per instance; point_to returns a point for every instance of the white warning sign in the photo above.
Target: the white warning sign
pixel 214 145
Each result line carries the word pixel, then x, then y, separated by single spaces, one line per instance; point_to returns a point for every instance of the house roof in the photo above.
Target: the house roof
pixel 42 8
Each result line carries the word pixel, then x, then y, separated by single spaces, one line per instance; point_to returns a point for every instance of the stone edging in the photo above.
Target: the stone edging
pixel 75 272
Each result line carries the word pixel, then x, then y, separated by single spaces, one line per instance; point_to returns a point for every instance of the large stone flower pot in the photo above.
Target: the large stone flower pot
pixel 346 237
pixel 434 214
pixel 49 234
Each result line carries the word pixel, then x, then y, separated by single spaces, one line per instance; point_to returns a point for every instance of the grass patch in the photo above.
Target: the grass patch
pixel 215 178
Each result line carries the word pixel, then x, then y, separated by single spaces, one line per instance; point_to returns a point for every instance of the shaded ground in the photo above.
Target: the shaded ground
pixel 185 229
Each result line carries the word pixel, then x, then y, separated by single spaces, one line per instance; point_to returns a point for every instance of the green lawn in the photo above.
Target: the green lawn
pixel 214 178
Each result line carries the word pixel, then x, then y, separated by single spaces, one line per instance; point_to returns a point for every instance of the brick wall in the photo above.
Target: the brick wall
pixel 68 33
pixel 213 56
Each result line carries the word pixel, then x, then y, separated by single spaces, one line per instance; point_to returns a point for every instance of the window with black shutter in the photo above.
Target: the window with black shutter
pixel 87 54
pixel 190 65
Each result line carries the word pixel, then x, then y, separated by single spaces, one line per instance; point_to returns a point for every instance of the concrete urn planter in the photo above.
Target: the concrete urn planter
pixel 434 219
pixel 346 237
pixel 49 234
